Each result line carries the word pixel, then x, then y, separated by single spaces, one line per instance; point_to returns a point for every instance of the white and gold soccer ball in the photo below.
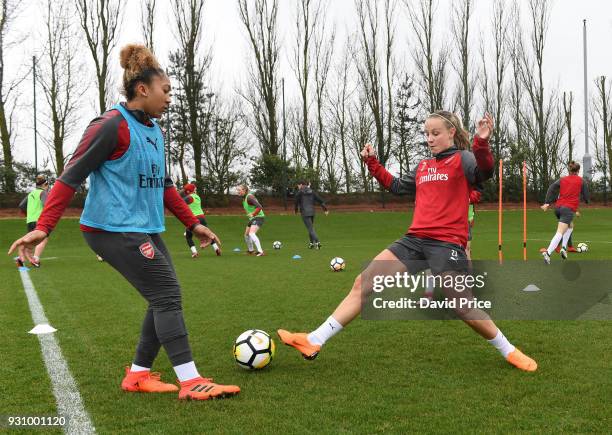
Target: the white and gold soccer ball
pixel 337 264
pixel 277 245
pixel 254 349
pixel 582 247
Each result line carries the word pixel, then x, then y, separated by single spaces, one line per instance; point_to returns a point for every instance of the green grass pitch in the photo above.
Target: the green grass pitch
pixel 375 376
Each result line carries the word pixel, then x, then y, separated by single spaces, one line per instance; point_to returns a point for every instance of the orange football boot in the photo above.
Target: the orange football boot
pixel 145 382
pixel 299 340
pixel 522 361
pixel 204 389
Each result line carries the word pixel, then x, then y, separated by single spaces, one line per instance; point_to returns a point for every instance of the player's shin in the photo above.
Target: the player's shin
pixel 566 237
pixel 554 242
pixel 255 241
pixel 248 242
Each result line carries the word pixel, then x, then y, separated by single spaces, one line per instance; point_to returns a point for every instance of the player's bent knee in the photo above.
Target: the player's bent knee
pixel 168 302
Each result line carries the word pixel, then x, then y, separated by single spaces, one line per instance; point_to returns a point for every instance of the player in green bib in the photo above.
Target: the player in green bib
pixel 255 214
pixel 475 195
pixel 194 202
pixel 32 205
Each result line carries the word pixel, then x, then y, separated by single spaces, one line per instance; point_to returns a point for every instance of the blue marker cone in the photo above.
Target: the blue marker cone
pixel 296 257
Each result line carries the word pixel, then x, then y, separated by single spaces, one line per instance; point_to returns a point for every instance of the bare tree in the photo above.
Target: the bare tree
pixel 361 129
pixel 191 66
pixel 501 52
pixel 58 78
pixel 516 88
pixel 542 120
pixel 568 103
pixel 308 14
pixel 178 114
pixel 390 14
pixel 101 22
pixel 147 20
pixel 323 53
pixel 604 119
pixel 430 65
pixel 339 95
pixel 330 168
pixel 259 20
pixel 496 98
pixel 460 25
pixel 370 67
pixel 595 138
pixel 8 96
pixel 296 149
pixel 8 11
pixel 224 148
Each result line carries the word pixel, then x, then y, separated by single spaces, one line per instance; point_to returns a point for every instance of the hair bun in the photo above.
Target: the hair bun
pixel 135 58
pixel 139 64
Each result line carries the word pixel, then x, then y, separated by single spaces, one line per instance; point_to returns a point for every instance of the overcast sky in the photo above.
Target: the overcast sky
pixel 223 33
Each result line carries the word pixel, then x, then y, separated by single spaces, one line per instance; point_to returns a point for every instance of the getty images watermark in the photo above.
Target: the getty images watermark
pixel 422 282
pixel 574 289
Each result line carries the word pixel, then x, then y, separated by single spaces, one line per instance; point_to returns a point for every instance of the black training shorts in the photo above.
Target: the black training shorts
pixel 564 214
pixel 419 254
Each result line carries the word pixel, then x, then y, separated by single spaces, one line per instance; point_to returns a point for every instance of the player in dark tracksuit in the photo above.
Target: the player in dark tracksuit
pixel 122 154
pixel 437 236
pixel 566 193
pixel 305 200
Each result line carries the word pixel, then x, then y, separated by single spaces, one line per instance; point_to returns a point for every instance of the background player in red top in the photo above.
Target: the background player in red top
pixel 571 189
pixel 438 234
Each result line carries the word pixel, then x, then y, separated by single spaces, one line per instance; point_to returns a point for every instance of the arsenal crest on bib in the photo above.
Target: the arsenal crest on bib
pixel 146 249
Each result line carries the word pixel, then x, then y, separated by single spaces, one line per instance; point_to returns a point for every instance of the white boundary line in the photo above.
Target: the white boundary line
pixel 67 396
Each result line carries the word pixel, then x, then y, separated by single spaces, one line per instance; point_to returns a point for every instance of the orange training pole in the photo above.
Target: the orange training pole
pixel 499 223
pixel 524 211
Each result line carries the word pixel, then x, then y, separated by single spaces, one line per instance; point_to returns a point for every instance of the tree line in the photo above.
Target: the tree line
pixel 350 90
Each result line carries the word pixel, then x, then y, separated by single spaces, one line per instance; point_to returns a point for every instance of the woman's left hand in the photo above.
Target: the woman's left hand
pixel 26 244
pixel 484 128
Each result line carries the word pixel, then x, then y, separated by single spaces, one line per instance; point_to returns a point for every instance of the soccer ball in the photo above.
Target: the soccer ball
pixel 337 264
pixel 277 245
pixel 582 247
pixel 254 349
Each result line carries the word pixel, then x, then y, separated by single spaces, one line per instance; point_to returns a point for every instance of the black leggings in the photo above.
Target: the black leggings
pixel 144 261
